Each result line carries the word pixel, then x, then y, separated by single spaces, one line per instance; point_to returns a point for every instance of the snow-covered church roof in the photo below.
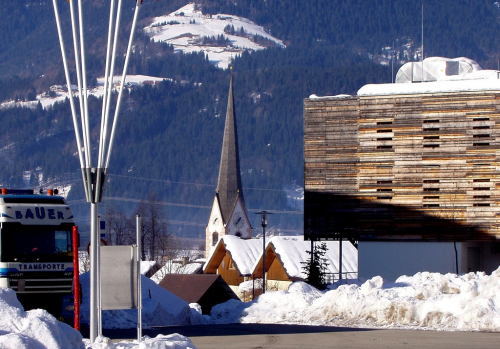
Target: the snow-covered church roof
pixel 437 75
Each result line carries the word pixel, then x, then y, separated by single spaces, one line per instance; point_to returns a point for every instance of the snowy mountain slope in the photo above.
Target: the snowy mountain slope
pixel 61 95
pixel 186 28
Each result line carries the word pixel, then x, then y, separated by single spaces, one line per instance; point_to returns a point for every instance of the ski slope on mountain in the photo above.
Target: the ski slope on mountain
pixel 186 27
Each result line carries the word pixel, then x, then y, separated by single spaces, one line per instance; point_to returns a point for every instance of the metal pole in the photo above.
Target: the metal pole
pixel 139 285
pixel 263 255
pixel 99 308
pixel 340 259
pixel 264 224
pixel 93 272
pixel 76 279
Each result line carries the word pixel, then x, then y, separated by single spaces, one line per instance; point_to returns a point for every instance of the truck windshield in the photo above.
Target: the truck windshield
pixel 35 243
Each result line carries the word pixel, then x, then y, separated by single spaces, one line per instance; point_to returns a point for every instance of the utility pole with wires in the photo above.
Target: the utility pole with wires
pixel 94 176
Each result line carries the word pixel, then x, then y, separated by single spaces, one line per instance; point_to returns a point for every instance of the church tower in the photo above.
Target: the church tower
pixel 228 215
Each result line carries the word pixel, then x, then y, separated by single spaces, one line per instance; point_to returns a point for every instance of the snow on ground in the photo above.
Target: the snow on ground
pixel 34 329
pixel 185 28
pixel 431 301
pixel 160 308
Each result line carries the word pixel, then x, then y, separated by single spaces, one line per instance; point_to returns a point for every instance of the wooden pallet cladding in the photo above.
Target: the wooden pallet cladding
pixel 403 167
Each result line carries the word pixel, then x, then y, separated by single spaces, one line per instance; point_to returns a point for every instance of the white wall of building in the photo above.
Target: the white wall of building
pixel 393 259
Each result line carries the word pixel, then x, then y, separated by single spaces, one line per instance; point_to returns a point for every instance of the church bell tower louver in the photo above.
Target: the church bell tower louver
pixel 228 215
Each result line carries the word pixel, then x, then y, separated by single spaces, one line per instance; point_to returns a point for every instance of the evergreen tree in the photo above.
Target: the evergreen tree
pixel 315 267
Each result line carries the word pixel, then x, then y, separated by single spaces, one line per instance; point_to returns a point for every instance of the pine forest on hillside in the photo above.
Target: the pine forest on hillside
pixel 170 135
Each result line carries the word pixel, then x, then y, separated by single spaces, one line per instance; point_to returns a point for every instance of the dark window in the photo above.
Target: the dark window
pixel 215 238
pixel 384 182
pixel 481 197
pixel 385 139
pixel 431 145
pixel 482 204
pixel 480 144
pixel 482 180
pixel 482 188
pixel 430 121
pixel 481 119
pixel 431 205
pixel 480 136
pixel 384 146
pixel 431 197
pixel 431 189
pixel 431 180
pixel 383 198
pixel 384 122
pixel 384 190
pixel 430 129
pixel 384 131
pixel 431 137
pixel 480 127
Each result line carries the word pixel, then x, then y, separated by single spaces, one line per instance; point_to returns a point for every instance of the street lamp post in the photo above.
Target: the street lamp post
pixel 264 224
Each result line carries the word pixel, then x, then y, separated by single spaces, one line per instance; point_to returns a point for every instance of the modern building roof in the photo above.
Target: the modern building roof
pixel 229 187
pixel 439 75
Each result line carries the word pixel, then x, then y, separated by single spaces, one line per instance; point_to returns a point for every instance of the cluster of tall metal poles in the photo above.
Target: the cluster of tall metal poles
pixel 94 176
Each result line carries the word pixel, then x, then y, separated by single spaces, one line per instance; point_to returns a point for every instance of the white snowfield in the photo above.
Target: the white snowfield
pixel 98 91
pixel 185 27
pixel 426 300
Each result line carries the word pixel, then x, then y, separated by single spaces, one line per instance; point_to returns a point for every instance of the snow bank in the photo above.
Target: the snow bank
pixel 172 341
pixel 160 308
pixel 33 329
pixel 426 300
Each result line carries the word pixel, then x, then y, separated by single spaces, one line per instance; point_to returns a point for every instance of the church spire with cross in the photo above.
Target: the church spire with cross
pixel 228 216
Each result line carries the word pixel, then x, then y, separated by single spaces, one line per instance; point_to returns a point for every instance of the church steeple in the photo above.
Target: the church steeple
pixel 228 215
pixel 229 187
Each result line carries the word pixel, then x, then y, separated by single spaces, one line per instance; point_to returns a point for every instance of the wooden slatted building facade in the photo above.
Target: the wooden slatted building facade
pixel 415 167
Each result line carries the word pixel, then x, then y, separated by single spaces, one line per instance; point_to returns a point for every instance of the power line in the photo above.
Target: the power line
pixel 187 183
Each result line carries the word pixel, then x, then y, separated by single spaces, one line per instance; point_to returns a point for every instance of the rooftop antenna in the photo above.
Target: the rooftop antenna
pixel 422 57
pixel 392 61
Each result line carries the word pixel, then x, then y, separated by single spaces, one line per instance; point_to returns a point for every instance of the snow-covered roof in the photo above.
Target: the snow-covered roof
pixel 440 69
pixel 439 75
pixel 292 253
pixel 172 267
pixel 243 252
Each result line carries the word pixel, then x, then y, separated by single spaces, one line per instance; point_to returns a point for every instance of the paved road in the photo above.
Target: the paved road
pixel 261 336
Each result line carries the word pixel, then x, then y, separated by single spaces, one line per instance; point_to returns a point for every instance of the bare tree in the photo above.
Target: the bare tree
pixel 119 227
pixel 156 239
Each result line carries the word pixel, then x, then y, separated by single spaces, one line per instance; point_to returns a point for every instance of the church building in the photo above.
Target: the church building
pixel 228 215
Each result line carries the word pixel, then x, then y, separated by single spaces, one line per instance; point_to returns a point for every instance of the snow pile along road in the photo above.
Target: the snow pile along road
pixel 37 329
pixel 426 300
pixel 34 329
pixel 160 308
